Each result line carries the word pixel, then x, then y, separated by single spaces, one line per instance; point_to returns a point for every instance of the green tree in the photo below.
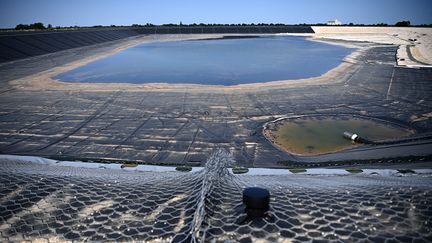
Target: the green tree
pixel 34 26
pixel 403 23
pixel 37 26
pixel 22 27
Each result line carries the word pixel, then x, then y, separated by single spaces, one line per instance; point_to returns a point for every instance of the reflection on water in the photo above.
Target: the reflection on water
pixel 215 62
pixel 316 136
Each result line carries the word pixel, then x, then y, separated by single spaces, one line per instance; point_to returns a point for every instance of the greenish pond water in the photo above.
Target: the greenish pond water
pixel 317 136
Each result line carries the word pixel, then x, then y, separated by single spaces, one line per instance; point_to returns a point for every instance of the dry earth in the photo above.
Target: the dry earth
pixel 417 41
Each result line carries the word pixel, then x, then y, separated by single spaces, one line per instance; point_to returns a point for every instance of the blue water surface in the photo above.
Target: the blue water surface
pixel 213 62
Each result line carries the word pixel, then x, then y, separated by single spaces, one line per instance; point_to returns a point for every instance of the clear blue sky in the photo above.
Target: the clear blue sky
pixel 127 12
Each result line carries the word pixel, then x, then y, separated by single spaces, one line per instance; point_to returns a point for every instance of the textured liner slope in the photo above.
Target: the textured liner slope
pixel 40 202
pixel 19 45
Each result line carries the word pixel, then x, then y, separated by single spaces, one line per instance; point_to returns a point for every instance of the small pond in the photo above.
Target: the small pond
pixel 313 136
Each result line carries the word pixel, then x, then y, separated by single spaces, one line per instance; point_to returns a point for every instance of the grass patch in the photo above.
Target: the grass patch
pixel 240 170
pixel 354 163
pixel 128 165
pixel 297 170
pixel 193 163
pixel 108 161
pixel 406 171
pixel 354 170
pixel 184 168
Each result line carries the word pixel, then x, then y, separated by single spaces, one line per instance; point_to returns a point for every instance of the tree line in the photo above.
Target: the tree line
pixel 41 26
pixel 34 26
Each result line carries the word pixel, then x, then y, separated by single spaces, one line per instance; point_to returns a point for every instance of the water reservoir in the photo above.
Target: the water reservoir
pixel 213 62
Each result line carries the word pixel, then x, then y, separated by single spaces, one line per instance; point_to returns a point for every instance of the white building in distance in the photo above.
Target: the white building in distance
pixel 334 22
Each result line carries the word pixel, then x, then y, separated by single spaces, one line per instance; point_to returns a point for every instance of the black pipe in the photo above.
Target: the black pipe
pixel 356 138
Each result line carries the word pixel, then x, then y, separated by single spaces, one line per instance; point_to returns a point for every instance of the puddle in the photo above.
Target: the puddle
pixel 313 136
